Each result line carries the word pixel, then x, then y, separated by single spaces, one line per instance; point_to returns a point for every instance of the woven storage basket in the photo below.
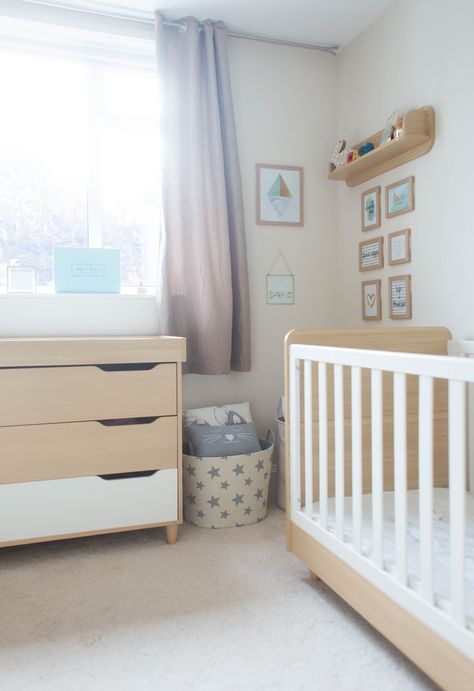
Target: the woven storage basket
pixel 227 492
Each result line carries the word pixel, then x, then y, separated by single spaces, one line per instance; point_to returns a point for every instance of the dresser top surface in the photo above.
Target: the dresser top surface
pixel 37 352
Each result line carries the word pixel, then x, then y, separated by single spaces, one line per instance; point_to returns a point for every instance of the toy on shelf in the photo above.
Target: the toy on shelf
pixel 338 158
pixel 365 148
pixel 399 130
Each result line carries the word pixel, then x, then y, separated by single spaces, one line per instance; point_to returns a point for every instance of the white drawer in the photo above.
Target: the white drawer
pixel 86 504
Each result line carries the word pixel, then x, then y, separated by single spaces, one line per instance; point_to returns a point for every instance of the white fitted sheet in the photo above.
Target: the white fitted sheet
pixel 441 566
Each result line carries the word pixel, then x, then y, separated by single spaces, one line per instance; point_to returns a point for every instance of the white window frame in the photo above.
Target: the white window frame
pixel 94 77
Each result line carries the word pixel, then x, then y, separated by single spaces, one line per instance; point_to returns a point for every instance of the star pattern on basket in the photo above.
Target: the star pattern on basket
pixel 238 499
pixel 225 484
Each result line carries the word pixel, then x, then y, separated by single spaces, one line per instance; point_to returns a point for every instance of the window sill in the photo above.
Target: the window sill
pixel 48 293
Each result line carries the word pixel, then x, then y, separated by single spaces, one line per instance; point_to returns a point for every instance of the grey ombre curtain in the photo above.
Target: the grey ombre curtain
pixel 204 292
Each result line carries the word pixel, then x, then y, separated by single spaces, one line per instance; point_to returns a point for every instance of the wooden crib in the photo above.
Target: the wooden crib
pixel 376 484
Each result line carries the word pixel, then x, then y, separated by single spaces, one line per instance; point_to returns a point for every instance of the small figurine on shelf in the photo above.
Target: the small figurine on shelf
pixel 337 158
pixel 365 148
pixel 399 131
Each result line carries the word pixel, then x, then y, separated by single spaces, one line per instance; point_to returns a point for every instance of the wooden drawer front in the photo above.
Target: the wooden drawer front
pixel 46 452
pixel 30 396
pixel 60 507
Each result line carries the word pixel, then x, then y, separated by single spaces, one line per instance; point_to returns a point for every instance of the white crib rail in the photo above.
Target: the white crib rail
pixel 400 473
pixel 458 372
pixel 465 349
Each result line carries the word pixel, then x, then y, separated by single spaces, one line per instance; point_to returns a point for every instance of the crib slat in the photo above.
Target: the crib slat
pixel 295 419
pixel 425 465
pixel 308 437
pixel 377 467
pixel 356 405
pixel 457 496
pixel 323 443
pixel 400 473
pixel 339 447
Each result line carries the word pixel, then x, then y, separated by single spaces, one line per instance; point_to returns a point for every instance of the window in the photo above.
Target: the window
pixel 79 160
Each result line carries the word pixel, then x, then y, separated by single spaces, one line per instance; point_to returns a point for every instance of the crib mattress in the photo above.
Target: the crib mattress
pixel 441 567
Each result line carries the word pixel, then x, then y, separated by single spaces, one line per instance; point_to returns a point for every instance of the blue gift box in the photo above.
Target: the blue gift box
pixel 86 270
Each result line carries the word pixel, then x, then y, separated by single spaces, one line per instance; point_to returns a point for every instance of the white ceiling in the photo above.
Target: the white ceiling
pixel 327 22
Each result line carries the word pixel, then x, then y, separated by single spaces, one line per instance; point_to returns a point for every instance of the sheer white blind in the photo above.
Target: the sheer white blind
pixel 77 34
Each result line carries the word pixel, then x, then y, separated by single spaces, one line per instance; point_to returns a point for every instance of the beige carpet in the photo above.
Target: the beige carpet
pixel 221 609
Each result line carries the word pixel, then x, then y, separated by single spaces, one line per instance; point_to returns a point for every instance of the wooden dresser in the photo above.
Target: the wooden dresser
pixel 90 436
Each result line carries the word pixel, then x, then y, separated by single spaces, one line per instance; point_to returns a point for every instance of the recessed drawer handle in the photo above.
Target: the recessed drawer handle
pixel 120 422
pixel 127 476
pixel 128 366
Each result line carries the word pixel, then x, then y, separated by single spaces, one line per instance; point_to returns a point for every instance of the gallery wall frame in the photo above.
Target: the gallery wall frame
pixel 400 197
pixel 280 286
pixel 371 295
pixel 370 209
pixel 279 195
pixel 371 254
pixel 399 247
pixel 399 297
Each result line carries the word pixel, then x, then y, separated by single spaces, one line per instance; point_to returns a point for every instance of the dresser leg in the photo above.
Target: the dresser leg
pixel 172 534
pixel 314 576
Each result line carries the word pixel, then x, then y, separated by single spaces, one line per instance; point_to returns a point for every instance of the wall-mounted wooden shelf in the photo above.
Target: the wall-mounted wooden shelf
pixel 416 140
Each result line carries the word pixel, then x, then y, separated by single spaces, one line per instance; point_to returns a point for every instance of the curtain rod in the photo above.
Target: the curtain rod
pixel 267 39
pixel 144 19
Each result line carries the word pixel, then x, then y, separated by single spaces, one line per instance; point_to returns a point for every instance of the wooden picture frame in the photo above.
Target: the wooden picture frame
pixel 279 195
pixel 399 247
pixel 371 254
pixel 370 209
pixel 399 297
pixel 400 197
pixel 372 300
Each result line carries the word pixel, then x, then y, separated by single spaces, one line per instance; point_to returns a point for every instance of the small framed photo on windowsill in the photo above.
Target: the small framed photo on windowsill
pixel 21 279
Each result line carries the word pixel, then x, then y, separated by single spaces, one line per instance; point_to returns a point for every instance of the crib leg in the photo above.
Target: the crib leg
pixel 314 576
pixel 172 534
